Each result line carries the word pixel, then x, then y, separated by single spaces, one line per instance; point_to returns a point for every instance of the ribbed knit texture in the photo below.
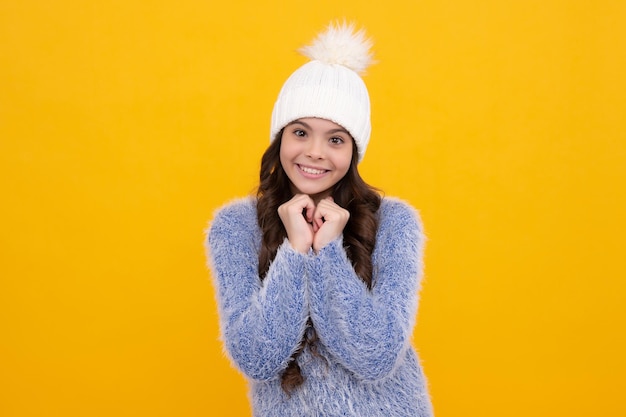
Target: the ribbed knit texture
pixel 364 364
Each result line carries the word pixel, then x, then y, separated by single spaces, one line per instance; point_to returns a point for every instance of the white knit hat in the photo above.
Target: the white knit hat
pixel 329 86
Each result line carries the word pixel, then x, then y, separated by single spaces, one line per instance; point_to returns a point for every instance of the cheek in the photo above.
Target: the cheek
pixel 345 161
pixel 287 149
pixel 283 155
pixel 285 159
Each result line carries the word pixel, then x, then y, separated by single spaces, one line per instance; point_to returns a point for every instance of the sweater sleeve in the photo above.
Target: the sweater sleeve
pixel 262 322
pixel 369 331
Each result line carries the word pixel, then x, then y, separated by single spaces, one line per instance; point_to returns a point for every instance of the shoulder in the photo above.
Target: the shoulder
pixel 240 207
pixel 399 228
pixel 395 214
pixel 239 213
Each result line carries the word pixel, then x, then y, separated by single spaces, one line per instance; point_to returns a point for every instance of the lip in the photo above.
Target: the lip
pixel 311 172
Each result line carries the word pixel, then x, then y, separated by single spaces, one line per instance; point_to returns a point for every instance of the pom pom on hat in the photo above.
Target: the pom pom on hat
pixel 341 45
pixel 329 86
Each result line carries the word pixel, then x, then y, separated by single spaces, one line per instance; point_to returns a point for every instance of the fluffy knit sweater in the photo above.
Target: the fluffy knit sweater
pixel 364 364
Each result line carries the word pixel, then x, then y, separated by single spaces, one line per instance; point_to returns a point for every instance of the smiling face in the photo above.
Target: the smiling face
pixel 315 154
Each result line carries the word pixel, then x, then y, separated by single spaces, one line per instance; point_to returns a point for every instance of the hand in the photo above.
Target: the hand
pixel 329 220
pixel 297 217
pixel 308 225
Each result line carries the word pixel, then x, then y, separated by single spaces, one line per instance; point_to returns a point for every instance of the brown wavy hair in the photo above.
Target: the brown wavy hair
pixel 359 234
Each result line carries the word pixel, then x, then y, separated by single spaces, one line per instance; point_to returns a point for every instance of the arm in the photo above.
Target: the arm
pixel 262 323
pixel 368 331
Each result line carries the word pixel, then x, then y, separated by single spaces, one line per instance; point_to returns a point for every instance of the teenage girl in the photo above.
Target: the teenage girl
pixel 317 276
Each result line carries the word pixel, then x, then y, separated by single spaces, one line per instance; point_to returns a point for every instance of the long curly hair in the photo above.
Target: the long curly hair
pixel 359 234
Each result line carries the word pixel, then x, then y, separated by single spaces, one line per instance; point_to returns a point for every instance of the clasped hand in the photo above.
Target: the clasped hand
pixel 312 226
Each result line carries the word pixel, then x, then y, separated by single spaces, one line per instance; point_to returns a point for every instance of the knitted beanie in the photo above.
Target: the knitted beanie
pixel 329 86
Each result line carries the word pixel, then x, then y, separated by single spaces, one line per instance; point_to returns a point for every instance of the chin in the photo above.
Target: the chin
pixel 308 189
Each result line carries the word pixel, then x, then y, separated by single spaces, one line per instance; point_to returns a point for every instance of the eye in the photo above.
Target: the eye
pixel 299 133
pixel 336 140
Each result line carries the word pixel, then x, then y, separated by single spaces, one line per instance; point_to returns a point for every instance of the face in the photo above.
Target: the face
pixel 315 154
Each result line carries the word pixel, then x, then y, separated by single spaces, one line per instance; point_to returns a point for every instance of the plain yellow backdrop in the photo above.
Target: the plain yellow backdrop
pixel 125 124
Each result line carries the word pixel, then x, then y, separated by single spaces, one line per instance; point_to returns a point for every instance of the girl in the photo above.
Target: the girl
pixel 317 276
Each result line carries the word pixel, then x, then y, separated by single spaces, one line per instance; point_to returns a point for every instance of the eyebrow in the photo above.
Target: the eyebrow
pixel 338 130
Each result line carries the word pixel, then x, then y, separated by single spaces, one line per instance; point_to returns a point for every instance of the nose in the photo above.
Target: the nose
pixel 315 149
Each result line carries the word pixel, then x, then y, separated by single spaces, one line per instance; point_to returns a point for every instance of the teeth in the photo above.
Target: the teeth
pixel 312 171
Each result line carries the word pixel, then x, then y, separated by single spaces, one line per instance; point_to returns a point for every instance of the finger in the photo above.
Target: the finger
pixel 308 208
pixel 320 211
pixel 298 210
pixel 328 211
pixel 300 203
pixel 318 221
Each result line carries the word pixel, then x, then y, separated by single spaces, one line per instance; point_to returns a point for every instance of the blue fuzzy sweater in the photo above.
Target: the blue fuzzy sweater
pixel 364 364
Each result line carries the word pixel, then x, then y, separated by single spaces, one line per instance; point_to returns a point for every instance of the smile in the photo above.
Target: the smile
pixel 312 171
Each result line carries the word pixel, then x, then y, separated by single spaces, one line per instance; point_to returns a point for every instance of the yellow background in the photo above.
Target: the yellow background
pixel 125 124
